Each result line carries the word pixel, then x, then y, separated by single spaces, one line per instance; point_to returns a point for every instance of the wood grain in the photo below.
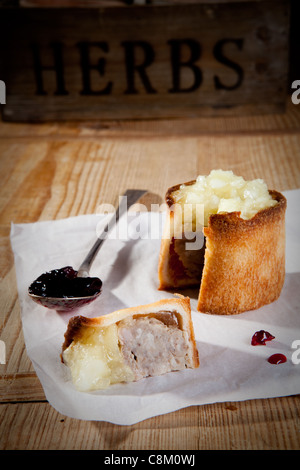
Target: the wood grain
pixel 159 61
pixel 223 426
pixel 55 170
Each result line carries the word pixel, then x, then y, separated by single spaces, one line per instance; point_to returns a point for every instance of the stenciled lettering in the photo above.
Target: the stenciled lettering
pixel 139 56
pixel 133 68
pixel 220 57
pixel 57 67
pixel 177 64
pixel 86 67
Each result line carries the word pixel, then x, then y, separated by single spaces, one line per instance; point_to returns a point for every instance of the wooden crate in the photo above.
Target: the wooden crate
pixel 172 59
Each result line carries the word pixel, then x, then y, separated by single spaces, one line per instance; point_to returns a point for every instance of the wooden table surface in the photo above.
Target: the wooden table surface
pixel 57 170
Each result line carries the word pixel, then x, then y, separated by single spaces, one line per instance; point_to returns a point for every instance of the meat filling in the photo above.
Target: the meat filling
pixel 151 347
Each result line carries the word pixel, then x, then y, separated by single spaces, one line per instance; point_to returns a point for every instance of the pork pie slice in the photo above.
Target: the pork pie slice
pixel 240 264
pixel 130 344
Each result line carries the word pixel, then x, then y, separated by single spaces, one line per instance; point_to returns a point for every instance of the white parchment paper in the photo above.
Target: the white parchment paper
pixel 230 368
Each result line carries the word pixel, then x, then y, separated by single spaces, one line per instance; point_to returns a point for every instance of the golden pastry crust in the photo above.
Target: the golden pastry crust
pixel 180 306
pixel 244 263
pixel 244 260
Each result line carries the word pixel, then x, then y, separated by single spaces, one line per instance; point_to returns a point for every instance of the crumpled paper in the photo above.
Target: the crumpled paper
pixel 230 368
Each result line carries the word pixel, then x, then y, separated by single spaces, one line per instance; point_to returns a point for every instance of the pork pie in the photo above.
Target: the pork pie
pixel 130 344
pixel 240 263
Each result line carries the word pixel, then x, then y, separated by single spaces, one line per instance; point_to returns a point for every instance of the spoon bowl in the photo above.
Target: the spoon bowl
pixel 61 304
pixel 45 288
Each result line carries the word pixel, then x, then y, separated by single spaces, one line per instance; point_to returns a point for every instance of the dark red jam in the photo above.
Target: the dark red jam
pixel 260 338
pixel 65 283
pixel 277 359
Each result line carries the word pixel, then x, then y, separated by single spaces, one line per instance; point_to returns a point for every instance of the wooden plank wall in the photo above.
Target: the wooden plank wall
pixel 144 61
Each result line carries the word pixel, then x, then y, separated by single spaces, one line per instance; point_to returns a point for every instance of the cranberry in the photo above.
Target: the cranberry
pixel 277 359
pixel 260 338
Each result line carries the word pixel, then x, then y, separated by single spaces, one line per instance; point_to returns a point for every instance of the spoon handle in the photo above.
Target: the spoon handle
pixel 128 198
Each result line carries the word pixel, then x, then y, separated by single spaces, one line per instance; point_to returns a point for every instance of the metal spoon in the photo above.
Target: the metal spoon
pixel 69 303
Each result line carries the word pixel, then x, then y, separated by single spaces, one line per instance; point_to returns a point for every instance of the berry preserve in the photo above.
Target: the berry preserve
pixel 277 358
pixel 64 283
pixel 260 338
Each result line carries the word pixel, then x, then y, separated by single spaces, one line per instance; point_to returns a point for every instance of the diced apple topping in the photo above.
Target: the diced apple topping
pixel 223 191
